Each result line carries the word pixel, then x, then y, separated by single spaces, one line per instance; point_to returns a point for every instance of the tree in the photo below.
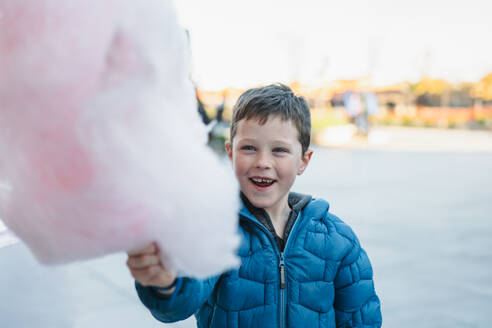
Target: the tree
pixel 483 89
pixel 431 86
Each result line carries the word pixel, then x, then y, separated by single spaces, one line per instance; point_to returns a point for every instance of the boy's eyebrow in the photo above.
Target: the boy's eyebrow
pixel 245 140
pixel 277 141
pixel 282 142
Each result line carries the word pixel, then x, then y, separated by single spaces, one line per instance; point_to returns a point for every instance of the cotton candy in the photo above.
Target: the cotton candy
pixel 101 145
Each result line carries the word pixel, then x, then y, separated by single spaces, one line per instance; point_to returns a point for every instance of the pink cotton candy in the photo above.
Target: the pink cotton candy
pixel 100 141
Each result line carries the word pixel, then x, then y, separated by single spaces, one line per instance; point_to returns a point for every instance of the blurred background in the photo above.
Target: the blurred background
pixel 360 64
pixel 401 101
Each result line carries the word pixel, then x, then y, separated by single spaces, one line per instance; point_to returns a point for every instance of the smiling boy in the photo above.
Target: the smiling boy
pixel 266 160
pixel 301 266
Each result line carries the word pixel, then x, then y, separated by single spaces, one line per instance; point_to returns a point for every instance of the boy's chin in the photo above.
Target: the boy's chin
pixel 260 202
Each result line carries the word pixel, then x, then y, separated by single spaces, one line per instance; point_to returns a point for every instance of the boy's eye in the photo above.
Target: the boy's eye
pixel 248 148
pixel 280 150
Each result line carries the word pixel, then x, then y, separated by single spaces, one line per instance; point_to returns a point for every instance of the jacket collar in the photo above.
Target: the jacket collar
pixel 296 201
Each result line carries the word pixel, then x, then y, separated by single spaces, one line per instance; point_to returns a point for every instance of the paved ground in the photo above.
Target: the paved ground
pixel 407 139
pixel 424 218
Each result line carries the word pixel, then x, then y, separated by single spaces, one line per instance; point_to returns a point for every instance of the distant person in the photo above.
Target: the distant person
pixel 201 110
pixel 218 130
pixel 359 107
pixel 216 126
pixel 301 265
pixel 370 107
pixel 352 104
pixel 220 111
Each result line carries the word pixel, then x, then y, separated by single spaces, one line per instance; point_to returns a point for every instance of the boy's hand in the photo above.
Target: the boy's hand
pixel 146 267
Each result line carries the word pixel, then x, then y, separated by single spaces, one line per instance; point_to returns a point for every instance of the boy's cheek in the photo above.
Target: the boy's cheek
pixel 238 170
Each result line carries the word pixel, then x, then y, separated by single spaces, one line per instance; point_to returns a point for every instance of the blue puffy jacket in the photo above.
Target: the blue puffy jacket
pixel 323 278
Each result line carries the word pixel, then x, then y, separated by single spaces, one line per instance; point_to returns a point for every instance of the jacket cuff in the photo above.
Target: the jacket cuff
pixel 177 284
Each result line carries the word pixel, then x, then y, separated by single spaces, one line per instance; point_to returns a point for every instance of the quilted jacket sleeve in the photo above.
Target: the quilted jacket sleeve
pixel 190 297
pixel 356 302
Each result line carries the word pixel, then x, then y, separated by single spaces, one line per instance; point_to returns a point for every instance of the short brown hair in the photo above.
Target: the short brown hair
pixel 274 100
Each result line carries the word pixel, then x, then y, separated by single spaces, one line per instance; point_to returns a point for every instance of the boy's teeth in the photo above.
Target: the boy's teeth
pixel 262 180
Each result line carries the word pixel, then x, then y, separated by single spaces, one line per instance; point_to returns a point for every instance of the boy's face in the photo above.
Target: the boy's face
pixel 266 159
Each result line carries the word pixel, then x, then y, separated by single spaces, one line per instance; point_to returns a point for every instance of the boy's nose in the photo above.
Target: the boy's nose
pixel 263 161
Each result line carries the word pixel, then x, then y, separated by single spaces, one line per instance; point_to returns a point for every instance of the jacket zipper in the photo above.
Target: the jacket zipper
pixel 281 266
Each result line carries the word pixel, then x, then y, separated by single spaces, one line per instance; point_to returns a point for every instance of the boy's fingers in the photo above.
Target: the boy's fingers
pixel 149 249
pixel 142 261
pixel 146 275
pixel 153 276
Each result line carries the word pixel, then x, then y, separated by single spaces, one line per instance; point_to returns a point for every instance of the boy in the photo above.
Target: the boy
pixel 301 266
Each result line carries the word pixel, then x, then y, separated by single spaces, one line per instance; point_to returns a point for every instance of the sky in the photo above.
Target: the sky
pixel 245 43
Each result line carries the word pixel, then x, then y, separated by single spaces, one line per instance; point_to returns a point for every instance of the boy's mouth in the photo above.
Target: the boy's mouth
pixel 262 182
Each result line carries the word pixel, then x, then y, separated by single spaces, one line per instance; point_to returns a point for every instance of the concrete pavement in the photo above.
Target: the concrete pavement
pixel 392 138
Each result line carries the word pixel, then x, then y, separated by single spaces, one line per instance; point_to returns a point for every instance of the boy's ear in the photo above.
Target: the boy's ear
pixel 228 147
pixel 305 161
